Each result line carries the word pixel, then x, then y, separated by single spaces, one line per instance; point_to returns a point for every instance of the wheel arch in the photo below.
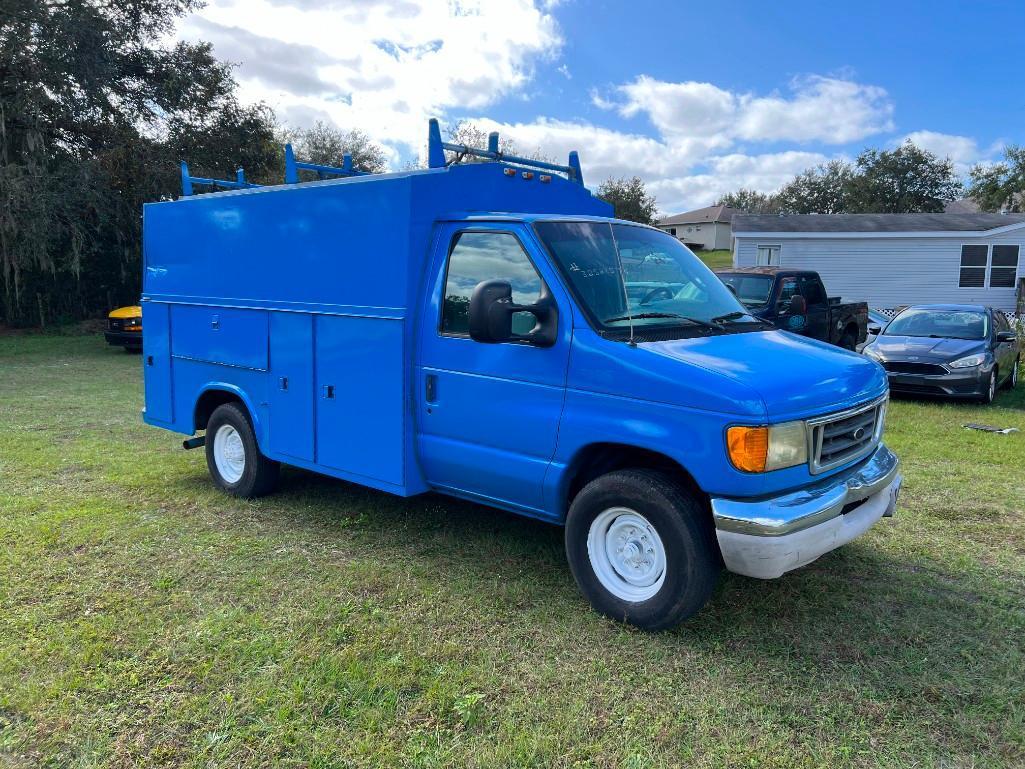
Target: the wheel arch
pixel 217 394
pixel 596 459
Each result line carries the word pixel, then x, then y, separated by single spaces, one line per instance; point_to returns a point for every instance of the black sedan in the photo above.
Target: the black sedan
pixel 954 350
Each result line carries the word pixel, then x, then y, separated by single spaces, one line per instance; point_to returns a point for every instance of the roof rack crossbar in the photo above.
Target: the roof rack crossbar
pixel 293 167
pixel 436 155
pixel 188 181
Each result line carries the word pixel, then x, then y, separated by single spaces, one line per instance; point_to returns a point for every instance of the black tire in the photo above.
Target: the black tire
pixel 684 526
pixel 991 388
pixel 260 474
pixel 849 341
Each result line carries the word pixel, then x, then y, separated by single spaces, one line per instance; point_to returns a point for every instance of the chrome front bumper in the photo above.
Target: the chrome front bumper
pixel 766 538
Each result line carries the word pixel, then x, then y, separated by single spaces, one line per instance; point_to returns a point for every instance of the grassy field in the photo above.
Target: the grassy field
pixel 717 260
pixel 148 620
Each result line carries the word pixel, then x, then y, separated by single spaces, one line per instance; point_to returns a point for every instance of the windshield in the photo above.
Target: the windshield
pixel 623 274
pixel 752 290
pixel 942 324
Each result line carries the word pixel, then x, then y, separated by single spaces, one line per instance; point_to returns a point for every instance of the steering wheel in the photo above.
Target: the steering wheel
pixel 663 292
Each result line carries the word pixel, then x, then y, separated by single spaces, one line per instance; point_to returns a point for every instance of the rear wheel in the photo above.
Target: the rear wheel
pixel 642 549
pixel 233 456
pixel 849 340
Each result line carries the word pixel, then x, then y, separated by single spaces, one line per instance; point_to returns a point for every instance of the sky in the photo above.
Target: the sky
pixel 696 99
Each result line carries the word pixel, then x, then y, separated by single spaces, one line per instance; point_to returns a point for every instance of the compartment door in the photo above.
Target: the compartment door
pixel 291 385
pixel 360 380
pixel 156 361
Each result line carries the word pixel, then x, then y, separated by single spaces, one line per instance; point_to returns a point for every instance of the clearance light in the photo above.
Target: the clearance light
pixel 528 175
pixel 509 171
pixel 544 178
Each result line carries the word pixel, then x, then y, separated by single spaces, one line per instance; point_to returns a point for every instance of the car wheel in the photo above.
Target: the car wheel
pixel 1012 380
pixel 991 388
pixel 848 341
pixel 233 456
pixel 642 548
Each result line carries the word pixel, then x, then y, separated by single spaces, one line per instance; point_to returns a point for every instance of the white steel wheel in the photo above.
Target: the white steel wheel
pixel 1014 374
pixel 992 392
pixel 229 453
pixel 626 554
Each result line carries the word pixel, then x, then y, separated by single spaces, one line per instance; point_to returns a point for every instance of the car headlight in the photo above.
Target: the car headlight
pixel 968 361
pixel 772 447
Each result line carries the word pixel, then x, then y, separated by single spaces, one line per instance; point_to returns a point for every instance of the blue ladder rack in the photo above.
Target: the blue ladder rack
pixel 240 182
pixel 293 166
pixel 436 155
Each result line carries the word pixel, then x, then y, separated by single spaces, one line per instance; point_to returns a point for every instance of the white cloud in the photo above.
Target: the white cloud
pixel 822 109
pixel 678 177
pixel 382 66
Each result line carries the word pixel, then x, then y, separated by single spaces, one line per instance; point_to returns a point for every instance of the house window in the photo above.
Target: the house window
pixel 768 256
pixel 973 267
pixel 1003 266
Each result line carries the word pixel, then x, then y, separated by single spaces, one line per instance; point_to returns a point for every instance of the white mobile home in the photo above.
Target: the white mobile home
pixel 891 260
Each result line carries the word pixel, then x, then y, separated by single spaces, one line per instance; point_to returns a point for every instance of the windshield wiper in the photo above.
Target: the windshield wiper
pixel 645 315
pixel 729 316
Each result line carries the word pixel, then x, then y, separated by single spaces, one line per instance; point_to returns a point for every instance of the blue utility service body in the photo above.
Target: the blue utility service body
pixel 318 306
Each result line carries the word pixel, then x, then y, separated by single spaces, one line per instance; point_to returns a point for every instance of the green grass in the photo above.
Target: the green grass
pixel 148 620
pixel 717 260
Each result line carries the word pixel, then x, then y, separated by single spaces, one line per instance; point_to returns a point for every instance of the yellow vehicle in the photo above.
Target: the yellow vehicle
pixel 124 328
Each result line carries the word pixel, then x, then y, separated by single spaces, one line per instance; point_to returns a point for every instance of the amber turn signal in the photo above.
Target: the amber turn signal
pixel 748 448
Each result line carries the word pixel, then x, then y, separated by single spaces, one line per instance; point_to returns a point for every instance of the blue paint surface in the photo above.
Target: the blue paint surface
pixel 318 305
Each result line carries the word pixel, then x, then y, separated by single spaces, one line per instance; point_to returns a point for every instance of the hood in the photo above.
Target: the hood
pixel 925 349
pixel 795 376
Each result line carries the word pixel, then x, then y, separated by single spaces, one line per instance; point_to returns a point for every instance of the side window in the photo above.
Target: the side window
pixel 479 256
pixel 811 290
pixel 973 266
pixel 787 288
pixel 1004 266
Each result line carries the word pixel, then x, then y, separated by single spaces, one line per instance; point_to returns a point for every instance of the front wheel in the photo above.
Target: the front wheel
pixel 642 548
pixel 233 456
pixel 991 388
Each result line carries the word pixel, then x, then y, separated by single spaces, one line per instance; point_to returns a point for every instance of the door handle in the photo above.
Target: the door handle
pixel 283 382
pixel 329 391
pixel 432 388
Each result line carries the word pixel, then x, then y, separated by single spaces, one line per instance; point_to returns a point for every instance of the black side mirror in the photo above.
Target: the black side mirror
pixel 492 309
pixel 798 305
pixel 875 330
pixel 1006 336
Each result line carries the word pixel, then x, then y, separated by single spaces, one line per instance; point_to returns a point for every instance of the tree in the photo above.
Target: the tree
pixel 96 113
pixel 900 181
pixel 750 201
pixel 630 199
pixel 825 189
pixel 325 144
pixel 472 135
pixel 1001 186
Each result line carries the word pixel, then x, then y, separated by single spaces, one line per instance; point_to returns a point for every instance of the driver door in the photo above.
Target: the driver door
pixel 488 414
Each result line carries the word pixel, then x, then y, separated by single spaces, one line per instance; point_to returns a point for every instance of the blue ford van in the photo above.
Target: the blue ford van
pixel 488 331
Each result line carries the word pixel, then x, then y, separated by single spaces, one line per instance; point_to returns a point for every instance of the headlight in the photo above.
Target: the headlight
pixel 968 361
pixel 759 449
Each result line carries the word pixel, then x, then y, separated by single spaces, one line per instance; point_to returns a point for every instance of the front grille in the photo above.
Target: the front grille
pixel 917 388
pixel 901 367
pixel 846 436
